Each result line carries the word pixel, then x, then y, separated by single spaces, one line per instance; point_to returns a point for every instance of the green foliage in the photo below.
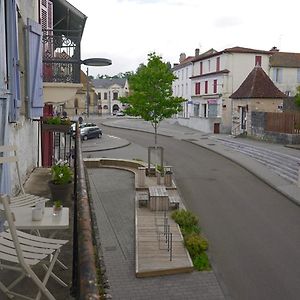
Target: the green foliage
pixel 185 218
pixel 151 92
pixel 57 121
pixel 297 97
pixel 57 203
pixel 201 262
pixel 195 243
pixel 186 230
pixel 61 173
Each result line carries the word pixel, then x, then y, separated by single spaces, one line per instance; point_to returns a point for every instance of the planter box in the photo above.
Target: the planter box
pixel 56 128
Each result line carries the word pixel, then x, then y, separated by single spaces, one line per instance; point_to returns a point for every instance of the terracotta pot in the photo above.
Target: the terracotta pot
pixel 61 192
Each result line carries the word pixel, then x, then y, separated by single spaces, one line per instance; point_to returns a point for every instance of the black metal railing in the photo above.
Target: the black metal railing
pixel 61 56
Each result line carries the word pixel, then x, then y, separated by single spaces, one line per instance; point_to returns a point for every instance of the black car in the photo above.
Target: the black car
pixel 90 132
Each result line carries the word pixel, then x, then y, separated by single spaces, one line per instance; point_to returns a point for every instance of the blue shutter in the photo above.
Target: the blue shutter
pixel 13 61
pixel 34 70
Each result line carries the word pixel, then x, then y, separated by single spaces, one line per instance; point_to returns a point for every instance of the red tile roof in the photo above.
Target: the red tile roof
pixel 285 59
pixel 257 85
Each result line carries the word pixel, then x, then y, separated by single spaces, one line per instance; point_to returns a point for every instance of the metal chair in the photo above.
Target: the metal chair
pixel 9 153
pixel 20 251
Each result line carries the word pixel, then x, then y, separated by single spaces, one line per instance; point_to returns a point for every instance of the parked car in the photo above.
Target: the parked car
pixel 82 125
pixel 90 132
pixel 120 114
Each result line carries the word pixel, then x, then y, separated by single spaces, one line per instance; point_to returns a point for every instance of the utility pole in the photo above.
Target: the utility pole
pixel 87 93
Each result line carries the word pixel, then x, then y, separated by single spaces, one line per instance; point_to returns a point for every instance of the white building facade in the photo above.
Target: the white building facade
pixel 182 85
pixel 108 91
pixel 216 75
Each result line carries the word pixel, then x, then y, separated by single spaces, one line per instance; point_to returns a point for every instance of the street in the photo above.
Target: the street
pixel 252 229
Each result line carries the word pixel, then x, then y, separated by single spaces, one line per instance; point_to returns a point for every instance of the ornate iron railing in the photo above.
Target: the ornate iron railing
pixel 61 56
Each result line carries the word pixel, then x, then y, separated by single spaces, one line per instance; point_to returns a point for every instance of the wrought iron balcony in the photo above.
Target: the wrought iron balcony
pixel 61 56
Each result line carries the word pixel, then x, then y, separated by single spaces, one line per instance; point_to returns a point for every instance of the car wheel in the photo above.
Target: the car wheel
pixel 85 138
pixel 99 135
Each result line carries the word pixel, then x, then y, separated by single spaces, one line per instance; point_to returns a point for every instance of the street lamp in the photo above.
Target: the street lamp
pixel 95 62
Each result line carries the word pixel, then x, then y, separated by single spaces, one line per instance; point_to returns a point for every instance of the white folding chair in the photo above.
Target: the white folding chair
pixel 21 251
pixel 9 155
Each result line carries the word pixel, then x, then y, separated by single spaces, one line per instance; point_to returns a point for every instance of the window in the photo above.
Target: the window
pixel 277 75
pixel 99 96
pixel 115 95
pixel 206 87
pixel 196 110
pixel 212 110
pixel 105 107
pixel 201 68
pixel 208 65
pixel 258 60
pixel 204 110
pixel 197 88
pixel 218 64
pixel 215 86
pixel 105 96
pixel 298 75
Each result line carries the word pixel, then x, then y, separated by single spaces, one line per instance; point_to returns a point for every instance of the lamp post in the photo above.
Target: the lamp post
pixel 95 62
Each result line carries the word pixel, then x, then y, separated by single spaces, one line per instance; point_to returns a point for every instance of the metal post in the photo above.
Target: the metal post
pixel 298 174
pixel 171 246
pixel 87 93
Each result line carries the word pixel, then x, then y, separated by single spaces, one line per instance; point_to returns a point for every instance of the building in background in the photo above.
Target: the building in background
pixel 216 75
pixel 108 91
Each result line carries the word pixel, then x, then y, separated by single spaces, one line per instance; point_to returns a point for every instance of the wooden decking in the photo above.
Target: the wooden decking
pixel 152 255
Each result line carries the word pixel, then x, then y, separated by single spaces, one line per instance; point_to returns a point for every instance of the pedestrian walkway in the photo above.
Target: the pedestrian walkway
pixel 113 195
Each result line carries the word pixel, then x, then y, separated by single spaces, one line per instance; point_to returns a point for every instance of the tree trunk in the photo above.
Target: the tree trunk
pixel 155 135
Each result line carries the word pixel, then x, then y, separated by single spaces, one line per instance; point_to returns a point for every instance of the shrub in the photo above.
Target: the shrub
pixel 185 218
pixel 201 262
pixel 192 243
pixel 186 230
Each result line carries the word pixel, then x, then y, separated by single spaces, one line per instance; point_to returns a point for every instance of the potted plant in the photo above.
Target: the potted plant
pixel 61 182
pixel 57 207
pixel 159 174
pixel 56 123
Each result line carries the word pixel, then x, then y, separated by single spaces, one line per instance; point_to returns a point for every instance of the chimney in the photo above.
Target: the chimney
pixel 182 57
pixel 197 52
pixel 274 49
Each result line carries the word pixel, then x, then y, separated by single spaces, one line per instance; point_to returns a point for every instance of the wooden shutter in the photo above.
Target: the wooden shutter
pixel 215 86
pixel 34 70
pixel 13 61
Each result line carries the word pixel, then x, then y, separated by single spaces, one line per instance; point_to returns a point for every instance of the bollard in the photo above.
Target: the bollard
pixel 141 176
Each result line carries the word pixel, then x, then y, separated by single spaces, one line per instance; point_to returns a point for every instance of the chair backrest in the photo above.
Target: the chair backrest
pixel 10 218
pixel 8 154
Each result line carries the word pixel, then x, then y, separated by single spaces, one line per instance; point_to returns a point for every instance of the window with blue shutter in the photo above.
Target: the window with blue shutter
pixel 13 61
pixel 34 70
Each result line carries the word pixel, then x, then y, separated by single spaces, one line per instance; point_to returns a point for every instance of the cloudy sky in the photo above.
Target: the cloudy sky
pixel 125 31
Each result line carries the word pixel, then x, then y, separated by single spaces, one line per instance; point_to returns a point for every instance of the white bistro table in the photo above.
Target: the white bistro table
pixel 49 221
pixel 23 221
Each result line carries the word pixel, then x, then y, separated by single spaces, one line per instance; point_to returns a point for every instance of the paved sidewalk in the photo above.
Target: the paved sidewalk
pixel 213 143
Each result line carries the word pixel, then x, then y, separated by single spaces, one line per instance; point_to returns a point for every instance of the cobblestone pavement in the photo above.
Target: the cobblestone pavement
pixel 113 203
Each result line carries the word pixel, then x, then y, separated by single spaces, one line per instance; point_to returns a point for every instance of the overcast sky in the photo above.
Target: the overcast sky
pixel 125 31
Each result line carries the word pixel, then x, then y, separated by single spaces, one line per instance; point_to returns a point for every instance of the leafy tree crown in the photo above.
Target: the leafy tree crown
pixel 151 92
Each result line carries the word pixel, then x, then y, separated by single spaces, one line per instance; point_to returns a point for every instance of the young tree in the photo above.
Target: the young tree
pixel 151 93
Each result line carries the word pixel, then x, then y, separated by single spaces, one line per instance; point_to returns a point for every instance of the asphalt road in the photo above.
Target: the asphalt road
pixel 254 232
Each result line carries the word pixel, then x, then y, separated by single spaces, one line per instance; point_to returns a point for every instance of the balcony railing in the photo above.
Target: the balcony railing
pixel 61 56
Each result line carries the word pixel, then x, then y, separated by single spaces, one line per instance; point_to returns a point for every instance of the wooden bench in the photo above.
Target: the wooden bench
pixel 142 198
pixel 158 198
pixel 174 202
